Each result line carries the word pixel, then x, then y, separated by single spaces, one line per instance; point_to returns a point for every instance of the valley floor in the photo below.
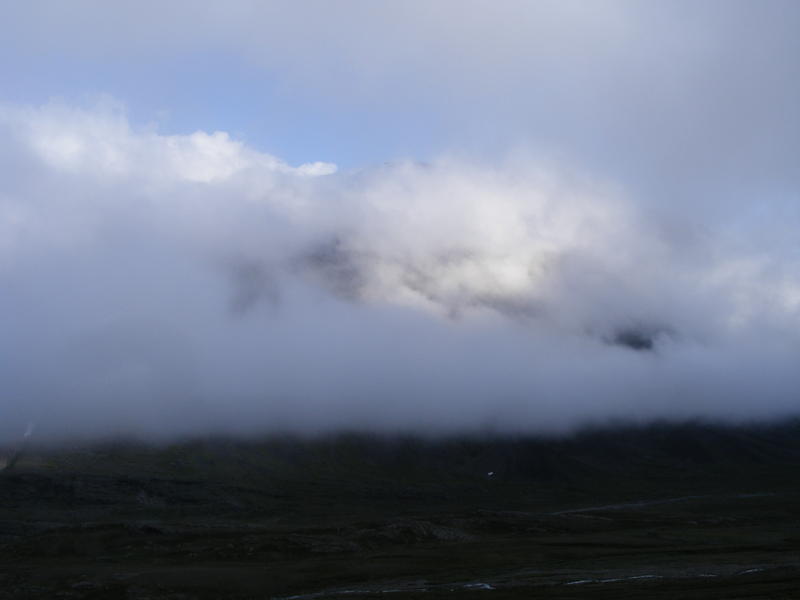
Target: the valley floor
pixel 673 512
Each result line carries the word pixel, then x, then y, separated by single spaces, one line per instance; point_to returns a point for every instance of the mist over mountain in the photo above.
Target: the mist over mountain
pixel 443 217
pixel 304 299
pixel 176 284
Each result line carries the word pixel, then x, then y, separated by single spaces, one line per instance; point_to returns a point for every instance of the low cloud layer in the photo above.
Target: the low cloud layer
pixel 178 284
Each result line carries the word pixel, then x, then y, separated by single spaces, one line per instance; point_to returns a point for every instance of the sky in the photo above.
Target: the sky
pixel 433 216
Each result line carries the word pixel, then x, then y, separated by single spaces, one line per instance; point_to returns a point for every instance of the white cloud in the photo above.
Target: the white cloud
pixel 173 283
pixel 101 143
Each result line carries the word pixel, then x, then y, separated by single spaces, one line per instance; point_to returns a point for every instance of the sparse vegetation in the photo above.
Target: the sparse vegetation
pixel 665 511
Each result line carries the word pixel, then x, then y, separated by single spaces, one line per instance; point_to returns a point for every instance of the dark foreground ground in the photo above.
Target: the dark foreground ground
pixel 688 511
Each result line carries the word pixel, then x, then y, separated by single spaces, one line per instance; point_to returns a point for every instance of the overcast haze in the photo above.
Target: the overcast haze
pixel 416 216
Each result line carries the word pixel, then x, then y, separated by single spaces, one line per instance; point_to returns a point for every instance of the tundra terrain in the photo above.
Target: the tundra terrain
pixel 663 511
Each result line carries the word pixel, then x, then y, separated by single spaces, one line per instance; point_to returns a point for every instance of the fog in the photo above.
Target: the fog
pixel 158 284
pixel 548 215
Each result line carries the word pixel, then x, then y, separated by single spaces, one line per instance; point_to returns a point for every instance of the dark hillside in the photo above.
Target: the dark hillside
pixel 695 510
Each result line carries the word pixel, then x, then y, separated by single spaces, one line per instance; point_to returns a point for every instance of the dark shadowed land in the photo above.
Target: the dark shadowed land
pixel 665 511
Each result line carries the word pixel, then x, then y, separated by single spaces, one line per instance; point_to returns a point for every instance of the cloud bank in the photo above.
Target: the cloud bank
pixel 178 284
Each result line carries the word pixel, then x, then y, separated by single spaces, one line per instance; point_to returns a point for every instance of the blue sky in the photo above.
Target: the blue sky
pixel 358 83
pixel 206 91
